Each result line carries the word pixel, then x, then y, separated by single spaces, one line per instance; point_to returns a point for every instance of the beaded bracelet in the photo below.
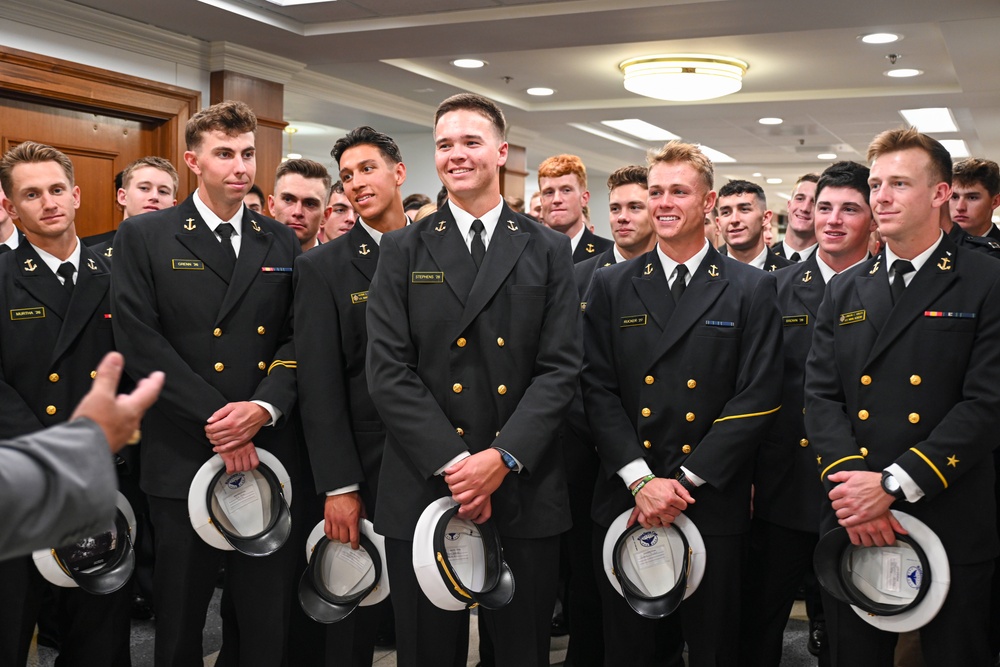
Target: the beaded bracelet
pixel 642 482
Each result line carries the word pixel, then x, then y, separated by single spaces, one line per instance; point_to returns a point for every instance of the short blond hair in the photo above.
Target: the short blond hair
pixel 678 151
pixel 31 152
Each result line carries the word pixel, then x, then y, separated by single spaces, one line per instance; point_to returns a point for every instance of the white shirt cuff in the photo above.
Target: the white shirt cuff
pixel 350 488
pixel 463 455
pixel 635 470
pixel 910 489
pixel 271 410
pixel 697 481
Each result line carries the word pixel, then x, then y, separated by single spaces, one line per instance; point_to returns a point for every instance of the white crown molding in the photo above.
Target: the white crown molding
pixel 338 91
pixel 252 62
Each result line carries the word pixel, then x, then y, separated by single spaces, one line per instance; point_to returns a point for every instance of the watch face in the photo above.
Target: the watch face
pixel 890 484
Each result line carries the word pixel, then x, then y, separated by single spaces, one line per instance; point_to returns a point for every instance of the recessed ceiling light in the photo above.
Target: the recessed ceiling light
pixel 880 38
pixel 770 121
pixel 540 91
pixel 930 119
pixel 826 156
pixel 957 147
pixel 468 63
pixel 773 181
pixel 294 156
pixel 715 156
pixel 903 72
pixel 640 128
pixel 756 174
pixel 606 135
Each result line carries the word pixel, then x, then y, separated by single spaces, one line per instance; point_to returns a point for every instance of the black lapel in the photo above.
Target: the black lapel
pixel 254 244
pixel 39 281
pixel 194 234
pixel 808 285
pixel 650 283
pixel 506 246
pixel 447 247
pixel 92 284
pixel 365 257
pixel 933 278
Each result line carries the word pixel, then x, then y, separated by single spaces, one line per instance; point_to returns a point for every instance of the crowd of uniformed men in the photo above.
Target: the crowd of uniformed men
pixel 461 353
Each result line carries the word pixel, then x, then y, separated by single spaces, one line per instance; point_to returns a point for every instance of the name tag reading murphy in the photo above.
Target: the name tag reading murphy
pixel 187 265
pixel 634 321
pixel 427 277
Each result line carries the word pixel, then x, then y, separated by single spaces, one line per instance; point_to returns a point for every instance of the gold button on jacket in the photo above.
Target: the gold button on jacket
pixel 692 384
pixel 54 377
pixel 500 342
pixel 261 330
pixel 502 389
pixel 217 332
pixel 461 342
pixel 686 449
pixel 647 444
pixel 650 379
pixel 460 431
pixel 862 415
pixel 261 365
pixel 457 388
pixel 914 418
pixel 646 412
pixel 689 416
pixel 219 366
pixel 864 451
pixel 803 443
pixel 866 380
pixel 50 410
pixel 915 380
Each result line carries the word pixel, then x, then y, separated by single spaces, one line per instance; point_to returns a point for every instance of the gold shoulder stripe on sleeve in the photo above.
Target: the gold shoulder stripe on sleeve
pixel 751 414
pixel 836 463
pixel 933 467
pixel 287 363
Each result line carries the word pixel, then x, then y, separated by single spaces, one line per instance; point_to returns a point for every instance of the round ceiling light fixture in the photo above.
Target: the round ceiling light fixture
pixel 469 63
pixel 540 91
pixel 770 120
pixel 903 72
pixel 880 38
pixel 683 77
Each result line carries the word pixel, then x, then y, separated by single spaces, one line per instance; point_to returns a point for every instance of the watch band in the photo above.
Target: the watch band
pixel 687 483
pixel 891 485
pixel 507 459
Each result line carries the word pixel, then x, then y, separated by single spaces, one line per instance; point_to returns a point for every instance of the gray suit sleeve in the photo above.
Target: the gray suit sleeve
pixel 56 485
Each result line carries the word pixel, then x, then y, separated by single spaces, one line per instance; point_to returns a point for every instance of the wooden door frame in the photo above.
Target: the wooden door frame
pixel 30 76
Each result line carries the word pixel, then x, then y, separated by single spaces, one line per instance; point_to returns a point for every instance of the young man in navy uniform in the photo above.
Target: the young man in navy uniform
pixel 472 371
pixel 681 351
pixel 902 404
pixel 203 291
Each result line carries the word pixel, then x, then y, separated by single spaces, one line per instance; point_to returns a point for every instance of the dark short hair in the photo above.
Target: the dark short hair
pixel 973 170
pixel 231 117
pixel 337 187
pixel 810 177
pixel 255 190
pixel 484 106
pixel 154 161
pixel 442 197
pixel 845 174
pixel 306 169
pixel 31 152
pixel 740 187
pixel 632 174
pixel 415 200
pixel 368 136
pixel 904 138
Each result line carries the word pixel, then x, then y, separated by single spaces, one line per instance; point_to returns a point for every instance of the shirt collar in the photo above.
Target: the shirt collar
pixel 464 219
pixel 574 241
pixel 13 240
pixel 827 271
pixel 212 220
pixel 759 260
pixel 803 254
pixel 377 235
pixel 619 257
pixel 669 265
pixel 917 261
pixel 54 262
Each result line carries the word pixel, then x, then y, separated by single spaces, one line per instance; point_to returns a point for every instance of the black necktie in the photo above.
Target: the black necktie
pixel 4 248
pixel 226 231
pixel 899 269
pixel 795 257
pixel 66 270
pixel 677 289
pixel 478 247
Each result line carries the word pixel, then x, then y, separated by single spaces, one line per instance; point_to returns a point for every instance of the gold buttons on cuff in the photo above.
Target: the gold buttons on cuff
pixel 219 367
pixel 866 380
pixel 502 389
pixel 93 374
pixel 689 416
pixel 914 418
pixel 686 449
pixel 647 444
pixel 50 410
pixel 461 342
pixel 457 388
pixel 692 384
pixel 646 412
pixel 217 332
pixel 864 451
pixel 803 442
pixel 261 330
pixel 501 342
pixel 54 377
pixel 460 431
pixel 261 365
pixel 862 415
pixel 915 380
pixel 650 379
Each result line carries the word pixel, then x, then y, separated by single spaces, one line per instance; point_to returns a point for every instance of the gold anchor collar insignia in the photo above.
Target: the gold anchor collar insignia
pixel 807 276
pixel 363 250
pixel 91 265
pixel 256 227
pixel 648 271
pixel 441 226
pixel 29 265
pixel 512 226
pixel 590 248
pixel 190 224
pixel 944 264
pixel 713 271
pixel 108 252
pixel 875 268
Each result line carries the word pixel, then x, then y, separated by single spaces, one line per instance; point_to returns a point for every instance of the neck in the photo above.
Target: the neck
pixel 681 250
pixel 947 225
pixel 310 244
pixel 911 245
pixel 60 247
pixel 476 204
pixel 392 218
pixel 574 229
pixel 981 230
pixel 844 260
pixel 224 209
pixel 747 256
pixel 636 250
pixel 798 241
pixel 6 229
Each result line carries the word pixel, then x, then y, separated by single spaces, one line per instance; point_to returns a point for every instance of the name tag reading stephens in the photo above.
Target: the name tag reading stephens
pixel 187 265
pixel 427 277
pixel 634 321
pixel 240 500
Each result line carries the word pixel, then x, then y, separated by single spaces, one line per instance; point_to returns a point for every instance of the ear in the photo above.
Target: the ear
pixel 710 201
pixel 503 154
pixel 941 195
pixel 767 217
pixel 191 160
pixel 121 197
pixel 585 197
pixel 8 206
pixel 76 196
pixel 400 171
pixel 270 204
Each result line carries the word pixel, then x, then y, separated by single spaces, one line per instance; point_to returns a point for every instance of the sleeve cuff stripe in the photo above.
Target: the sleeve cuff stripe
pixel 751 414
pixel 836 463
pixel 933 467
pixel 281 362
